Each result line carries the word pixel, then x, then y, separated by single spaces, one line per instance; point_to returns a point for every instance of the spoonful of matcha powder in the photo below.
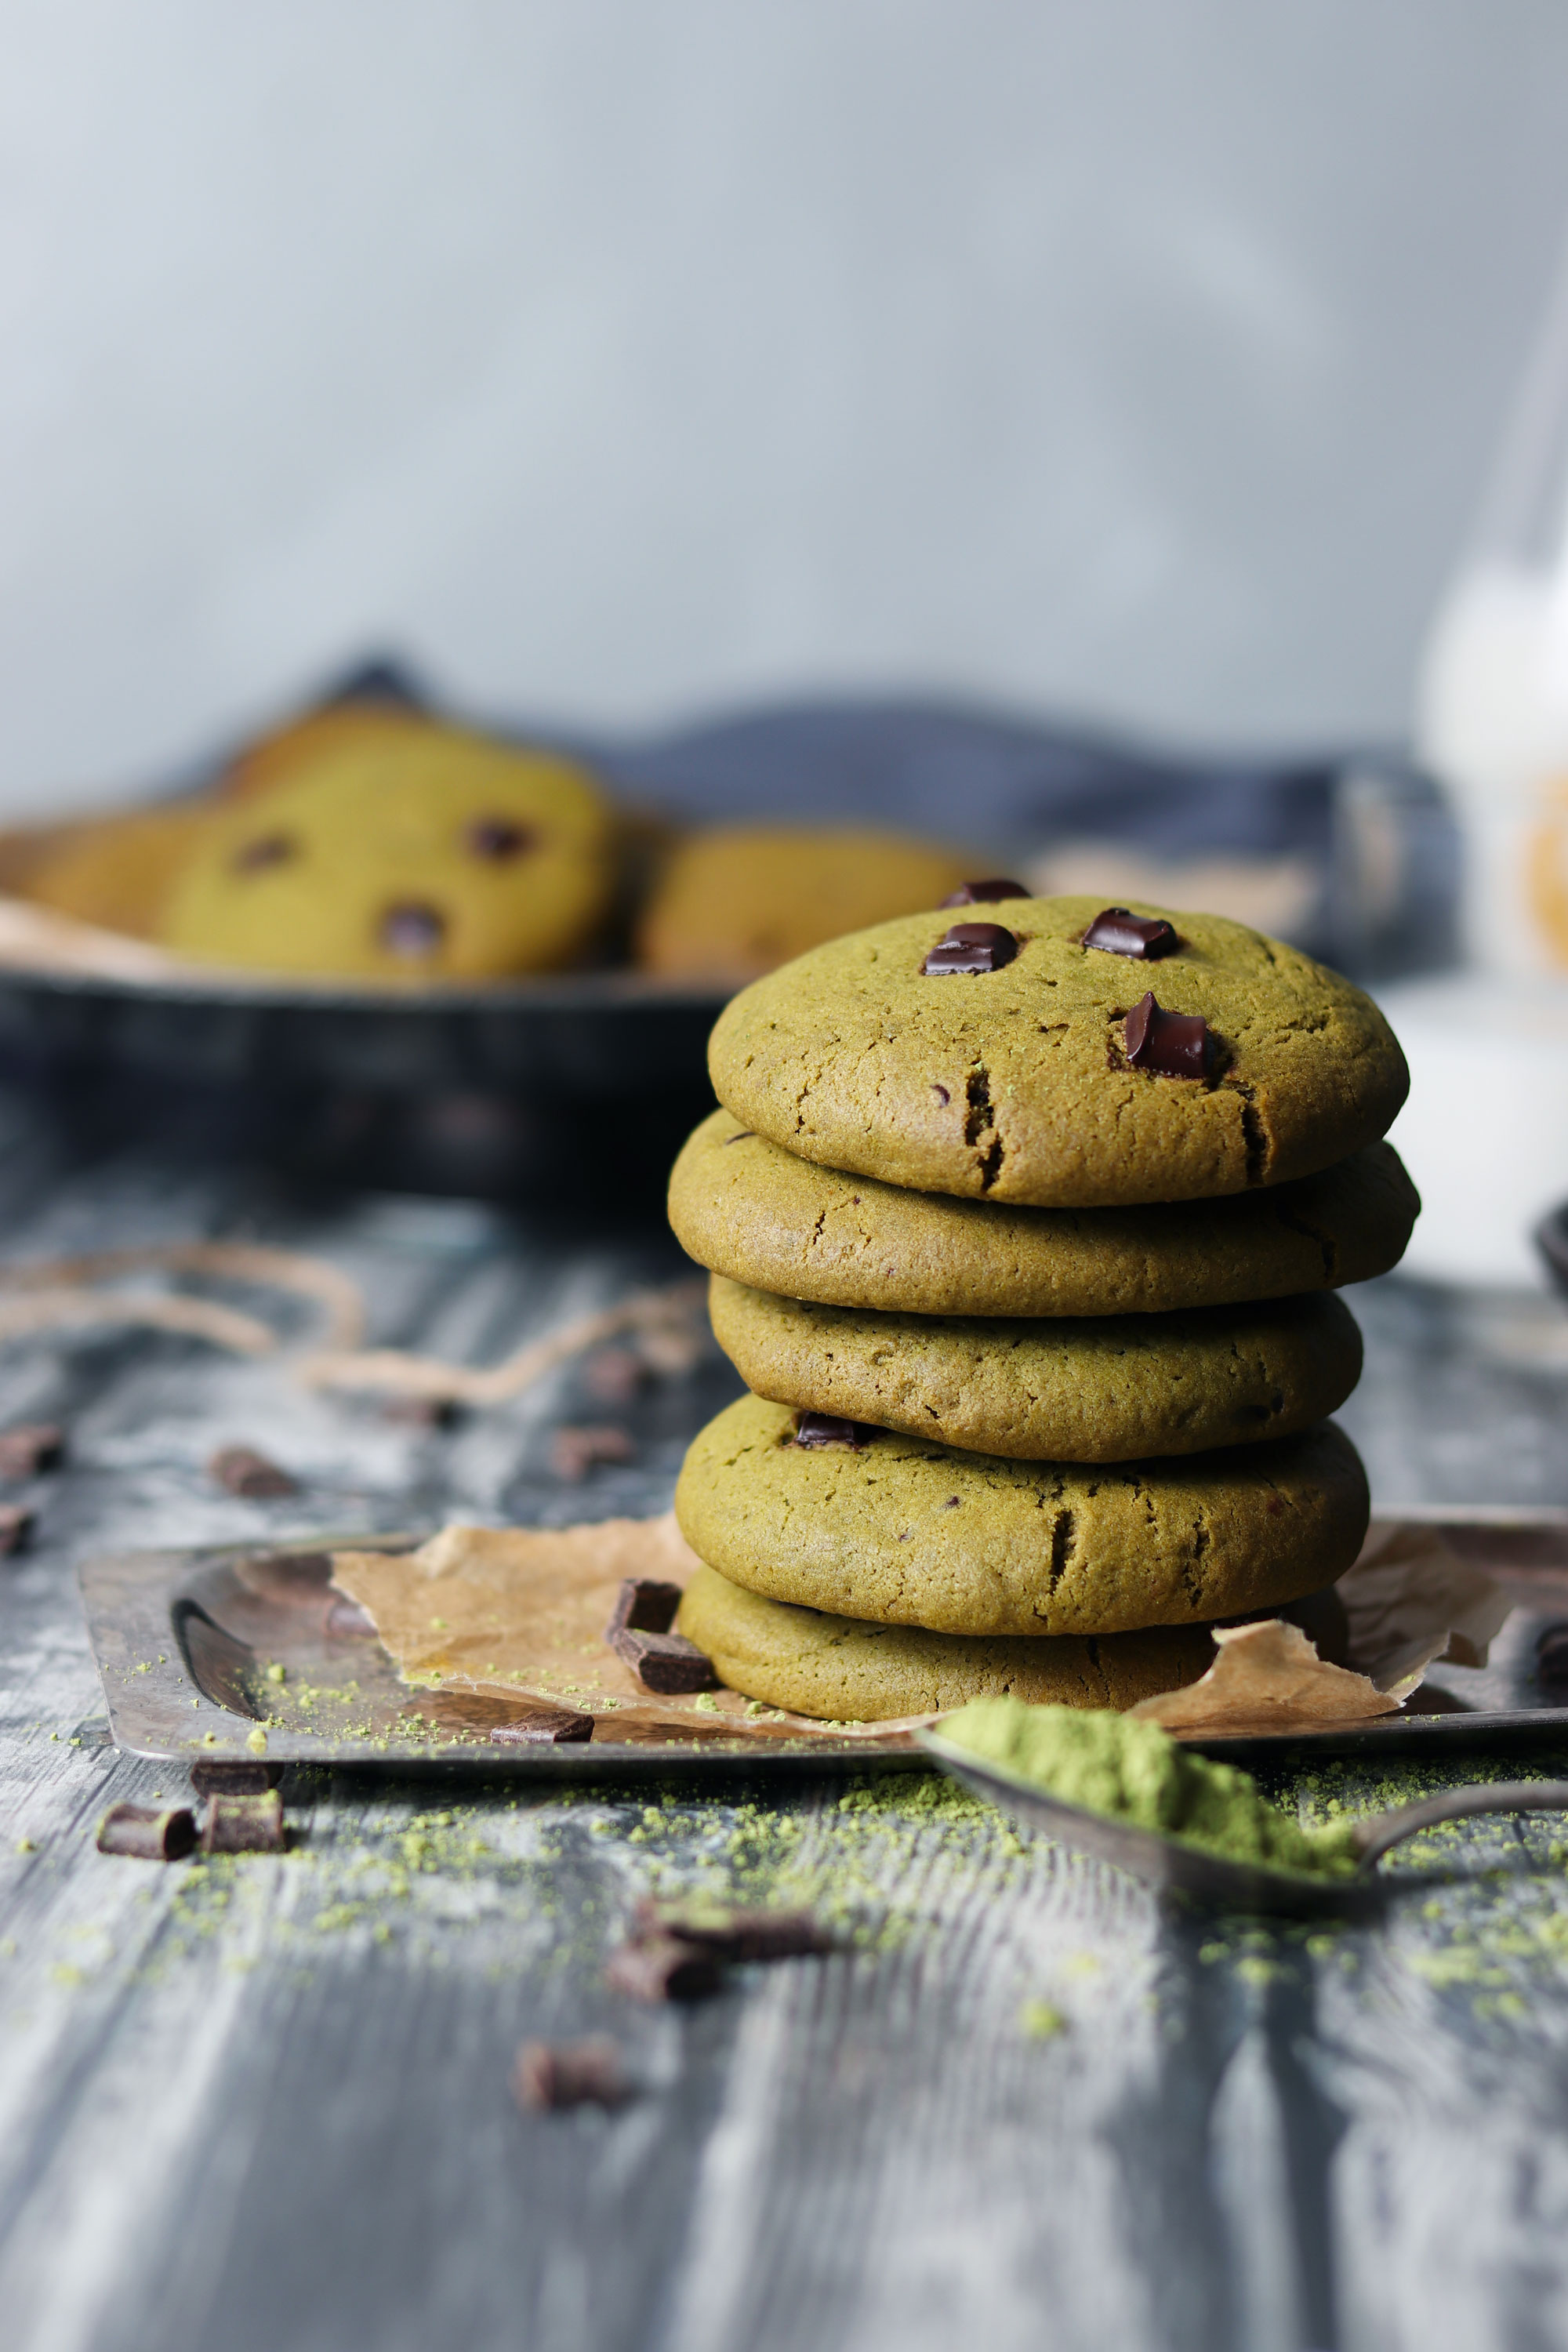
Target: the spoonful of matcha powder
pixel 1136 1773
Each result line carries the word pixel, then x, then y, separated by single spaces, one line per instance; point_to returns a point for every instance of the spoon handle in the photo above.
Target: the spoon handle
pixel 1374 1837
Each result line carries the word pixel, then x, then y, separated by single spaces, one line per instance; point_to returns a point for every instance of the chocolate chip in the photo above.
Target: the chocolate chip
pixel 16 1527
pixel 666 1663
pixel 267 849
pixel 543 1727
pixel 664 1968
pixel 217 1777
pixel 984 894
pixel 498 839
pixel 31 1446
pixel 736 1934
pixel 244 1825
pixel 643 1605
pixel 1167 1044
pixel 574 1452
pixel 244 1472
pixel 146 1833
pixel 1117 932
pixel 814 1429
pixel 971 948
pixel 414 929
pixel 553 2074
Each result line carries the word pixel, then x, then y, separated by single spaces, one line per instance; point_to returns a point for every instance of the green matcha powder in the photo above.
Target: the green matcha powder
pixel 1135 1772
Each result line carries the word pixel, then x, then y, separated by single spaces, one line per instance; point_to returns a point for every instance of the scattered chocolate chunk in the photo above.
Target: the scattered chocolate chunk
pixel 1167 1044
pixel 244 1472
pixel 666 1663
pixel 148 1835
pixel 971 948
pixel 984 894
pixel 16 1527
pixel 814 1428
pixel 219 1777
pixel 498 839
pixel 413 930
pixel 420 1411
pixel 1551 1655
pixel 32 1446
pixel 553 2074
pixel 268 849
pixel 736 1934
pixel 543 1727
pixel 664 1968
pixel 645 1604
pixel 1117 932
pixel 244 1825
pixel 615 1375
pixel 574 1452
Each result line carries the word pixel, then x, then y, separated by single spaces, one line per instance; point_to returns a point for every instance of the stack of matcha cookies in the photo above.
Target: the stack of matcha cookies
pixel 1026 1233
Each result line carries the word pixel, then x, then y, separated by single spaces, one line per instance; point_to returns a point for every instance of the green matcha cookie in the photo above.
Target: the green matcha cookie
pixel 1111 1388
pixel 909 1534
pixel 744 1207
pixel 1045 1079
pixel 847 1671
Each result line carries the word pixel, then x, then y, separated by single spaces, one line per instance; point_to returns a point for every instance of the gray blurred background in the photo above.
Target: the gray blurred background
pixel 1137 360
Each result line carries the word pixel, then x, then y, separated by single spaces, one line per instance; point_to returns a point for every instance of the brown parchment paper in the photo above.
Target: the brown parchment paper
pixel 519 1613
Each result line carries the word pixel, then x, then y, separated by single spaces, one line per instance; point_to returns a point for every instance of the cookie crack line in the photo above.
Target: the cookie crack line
pixel 980 1123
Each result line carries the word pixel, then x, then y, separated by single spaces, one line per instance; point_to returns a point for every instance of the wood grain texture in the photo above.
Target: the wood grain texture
pixel 264 2102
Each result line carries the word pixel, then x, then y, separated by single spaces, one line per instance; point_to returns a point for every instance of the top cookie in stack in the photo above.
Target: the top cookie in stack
pixel 992 1202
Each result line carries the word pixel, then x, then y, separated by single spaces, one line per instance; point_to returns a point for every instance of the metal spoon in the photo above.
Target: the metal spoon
pixel 1169 1863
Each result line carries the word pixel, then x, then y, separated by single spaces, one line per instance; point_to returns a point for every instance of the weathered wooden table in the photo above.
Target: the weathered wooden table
pixel 263 2102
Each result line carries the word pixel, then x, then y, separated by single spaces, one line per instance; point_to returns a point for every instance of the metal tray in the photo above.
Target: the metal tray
pixel 182 1639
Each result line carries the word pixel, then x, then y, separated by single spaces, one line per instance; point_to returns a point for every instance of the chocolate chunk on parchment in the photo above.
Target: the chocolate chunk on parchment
pixel 146 1833
pixel 543 1727
pixel 984 894
pixel 1167 1044
pixel 818 1429
pixel 555 2074
pixel 1117 932
pixel 645 1604
pixel 31 1446
pixel 665 1663
pixel 16 1527
pixel 244 1825
pixel 664 1968
pixel 971 948
pixel 244 1472
pixel 736 1934
pixel 222 1776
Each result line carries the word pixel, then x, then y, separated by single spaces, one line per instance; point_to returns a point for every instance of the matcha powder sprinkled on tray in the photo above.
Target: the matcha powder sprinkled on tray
pixel 1134 1772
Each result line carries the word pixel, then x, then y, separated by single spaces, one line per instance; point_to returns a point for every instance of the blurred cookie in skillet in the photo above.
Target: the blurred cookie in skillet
pixel 742 1206
pixel 117 872
pixel 1108 1388
pixel 734 900
pixel 1063 1054
pixel 867 1523
pixel 419 855
pixel 846 1670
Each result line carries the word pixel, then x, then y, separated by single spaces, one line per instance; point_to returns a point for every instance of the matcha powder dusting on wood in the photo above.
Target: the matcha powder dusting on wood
pixel 1136 1773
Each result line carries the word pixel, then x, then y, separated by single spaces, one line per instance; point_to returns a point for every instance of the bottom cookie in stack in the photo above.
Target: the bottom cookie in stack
pixel 852 1571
